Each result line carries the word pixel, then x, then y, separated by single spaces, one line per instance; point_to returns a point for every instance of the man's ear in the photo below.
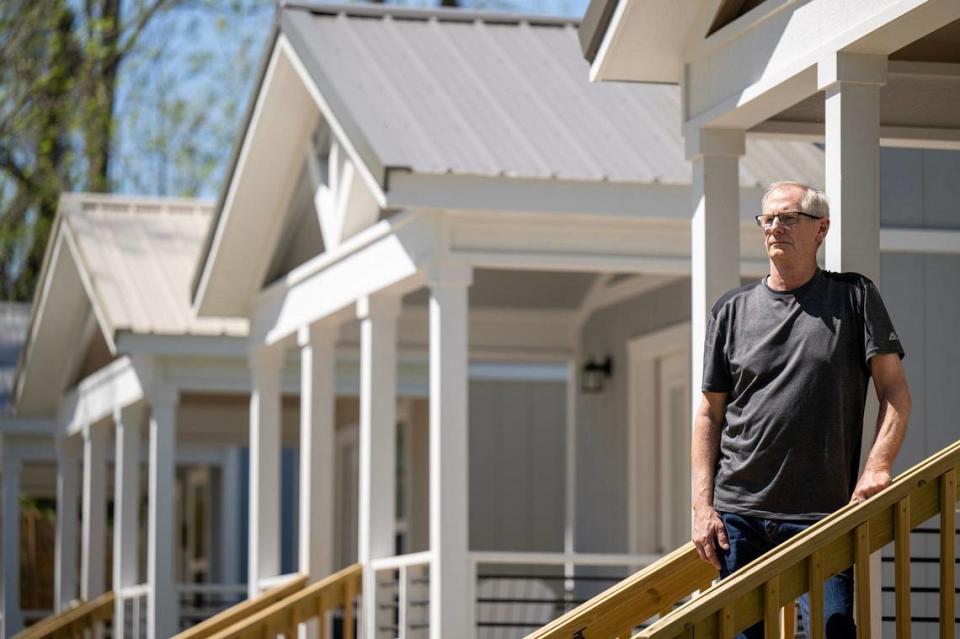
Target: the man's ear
pixel 824 227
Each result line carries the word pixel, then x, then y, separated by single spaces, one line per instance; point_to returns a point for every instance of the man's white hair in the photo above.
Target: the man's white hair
pixel 814 200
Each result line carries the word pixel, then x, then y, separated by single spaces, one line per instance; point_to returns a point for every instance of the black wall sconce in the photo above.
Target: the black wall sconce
pixel 594 375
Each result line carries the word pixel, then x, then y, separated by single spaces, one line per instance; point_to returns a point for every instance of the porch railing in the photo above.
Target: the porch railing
pixel 317 601
pixel 844 539
pixel 74 622
pixel 244 610
pixel 201 601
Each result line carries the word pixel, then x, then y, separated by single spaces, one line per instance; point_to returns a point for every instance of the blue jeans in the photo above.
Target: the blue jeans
pixel 751 537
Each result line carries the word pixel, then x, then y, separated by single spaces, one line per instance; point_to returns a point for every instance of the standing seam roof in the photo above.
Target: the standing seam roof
pixel 438 92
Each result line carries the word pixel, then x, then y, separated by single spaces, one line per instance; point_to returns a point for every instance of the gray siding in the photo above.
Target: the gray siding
pixel 601 517
pixel 517 465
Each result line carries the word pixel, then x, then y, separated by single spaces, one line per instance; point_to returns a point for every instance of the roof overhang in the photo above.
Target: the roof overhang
pixel 63 316
pixel 641 40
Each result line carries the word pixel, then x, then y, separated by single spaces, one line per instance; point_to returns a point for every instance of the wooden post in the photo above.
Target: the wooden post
pixel 901 537
pixel 948 553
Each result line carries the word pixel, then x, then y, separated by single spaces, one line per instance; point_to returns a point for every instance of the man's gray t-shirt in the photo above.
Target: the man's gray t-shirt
pixel 795 367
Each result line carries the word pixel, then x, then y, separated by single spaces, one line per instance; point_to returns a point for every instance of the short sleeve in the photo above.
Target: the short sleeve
pixel 716 365
pixel 879 336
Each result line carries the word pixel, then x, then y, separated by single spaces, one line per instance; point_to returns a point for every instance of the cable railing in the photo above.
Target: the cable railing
pixel 75 622
pixel 243 610
pixel 314 603
pixel 759 591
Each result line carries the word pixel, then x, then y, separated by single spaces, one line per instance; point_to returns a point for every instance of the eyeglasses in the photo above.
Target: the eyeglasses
pixel 787 218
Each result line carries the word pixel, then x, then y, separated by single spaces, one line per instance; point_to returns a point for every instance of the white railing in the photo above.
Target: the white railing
pixel 266 583
pixel 200 601
pixel 402 596
pixel 516 592
pixel 133 624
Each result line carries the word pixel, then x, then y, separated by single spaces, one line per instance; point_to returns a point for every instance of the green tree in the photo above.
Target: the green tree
pixel 59 63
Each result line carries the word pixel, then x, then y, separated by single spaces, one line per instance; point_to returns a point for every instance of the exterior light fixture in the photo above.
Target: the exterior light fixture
pixel 594 375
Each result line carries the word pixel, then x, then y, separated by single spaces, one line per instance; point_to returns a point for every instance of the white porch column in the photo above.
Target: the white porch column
pixel 451 581
pixel 10 551
pixel 231 479
pixel 378 433
pixel 317 397
pixel 264 546
pixel 126 504
pixel 162 604
pixel 94 520
pixel 851 84
pixel 714 231
pixel 65 572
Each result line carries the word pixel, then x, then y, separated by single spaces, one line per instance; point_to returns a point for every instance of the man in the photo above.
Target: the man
pixel 787 361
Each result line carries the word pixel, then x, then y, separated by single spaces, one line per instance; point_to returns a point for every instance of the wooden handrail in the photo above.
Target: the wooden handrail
pixel 72 622
pixel 339 590
pixel 845 538
pixel 243 610
pixel 653 590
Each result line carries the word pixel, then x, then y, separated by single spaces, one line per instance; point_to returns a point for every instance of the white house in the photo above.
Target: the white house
pixel 433 227
pixel 866 80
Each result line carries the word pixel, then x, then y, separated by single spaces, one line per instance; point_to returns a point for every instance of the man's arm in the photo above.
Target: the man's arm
pixel 708 530
pixel 894 397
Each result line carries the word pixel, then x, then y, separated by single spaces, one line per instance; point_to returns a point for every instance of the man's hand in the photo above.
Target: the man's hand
pixel 871 482
pixel 708 531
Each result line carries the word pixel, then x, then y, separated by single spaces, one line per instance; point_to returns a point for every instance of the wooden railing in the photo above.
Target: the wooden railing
pixel 757 592
pixel 73 622
pixel 338 591
pixel 243 610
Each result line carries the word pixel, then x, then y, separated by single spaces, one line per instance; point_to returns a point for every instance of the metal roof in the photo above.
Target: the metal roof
pixel 138 255
pixel 442 91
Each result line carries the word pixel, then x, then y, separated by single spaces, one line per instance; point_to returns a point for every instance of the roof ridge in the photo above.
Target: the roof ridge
pixel 443 14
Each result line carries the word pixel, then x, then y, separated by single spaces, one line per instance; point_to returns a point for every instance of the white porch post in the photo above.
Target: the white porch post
pixel 94 520
pixel 714 230
pixel 377 463
pixel 851 83
pixel 162 604
pixel 852 145
pixel 451 581
pixel 231 479
pixel 317 396
pixel 10 557
pixel 126 506
pixel 65 573
pixel 264 546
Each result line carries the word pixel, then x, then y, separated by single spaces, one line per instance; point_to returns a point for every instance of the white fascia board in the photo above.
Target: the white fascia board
pixel 366 163
pixel 267 166
pixel 114 386
pixel 642 43
pixel 448 192
pixel 742 79
pixel 652 245
pixel 103 319
pixel 388 255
